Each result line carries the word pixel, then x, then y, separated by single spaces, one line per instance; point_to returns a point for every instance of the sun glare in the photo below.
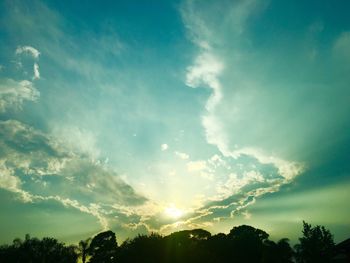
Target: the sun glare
pixel 173 212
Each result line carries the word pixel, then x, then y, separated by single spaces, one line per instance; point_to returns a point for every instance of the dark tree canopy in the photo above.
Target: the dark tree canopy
pixel 142 248
pixel 316 245
pixel 38 251
pixel 280 252
pixel 243 244
pixel 103 248
pixel 247 244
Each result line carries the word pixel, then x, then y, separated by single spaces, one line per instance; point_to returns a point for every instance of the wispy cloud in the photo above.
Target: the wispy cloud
pixel 28 50
pixel 33 52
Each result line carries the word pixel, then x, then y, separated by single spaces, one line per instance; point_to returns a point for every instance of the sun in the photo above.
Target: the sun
pixel 173 212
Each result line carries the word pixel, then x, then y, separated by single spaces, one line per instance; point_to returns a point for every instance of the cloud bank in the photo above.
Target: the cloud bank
pixel 38 168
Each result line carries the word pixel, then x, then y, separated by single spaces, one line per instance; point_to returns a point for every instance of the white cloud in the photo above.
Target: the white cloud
pixel 10 182
pixel 40 157
pixel 76 139
pixel 28 49
pixel 7 180
pixel 13 93
pixel 164 147
pixel 206 71
pixel 35 54
pixel 181 155
pixel 235 183
pixel 36 71
pixel 287 169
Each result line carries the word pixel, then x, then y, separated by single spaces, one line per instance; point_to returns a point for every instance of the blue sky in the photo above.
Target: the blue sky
pixel 141 116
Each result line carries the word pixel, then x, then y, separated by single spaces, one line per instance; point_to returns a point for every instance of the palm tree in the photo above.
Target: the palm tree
pixel 84 248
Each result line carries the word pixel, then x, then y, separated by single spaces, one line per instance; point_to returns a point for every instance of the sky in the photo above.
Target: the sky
pixel 158 116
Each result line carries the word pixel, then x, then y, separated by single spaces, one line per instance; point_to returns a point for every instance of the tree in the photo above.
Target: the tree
pixel 280 252
pixel 316 245
pixel 36 250
pixel 187 246
pixel 284 251
pixel 103 248
pixel 83 249
pixel 247 243
pixel 219 248
pixel 143 248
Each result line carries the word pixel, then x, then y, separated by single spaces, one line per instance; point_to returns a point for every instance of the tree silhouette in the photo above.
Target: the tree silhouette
pixel 247 244
pixel 243 244
pixel 143 248
pixel 316 245
pixel 186 246
pixel 103 248
pixel 83 248
pixel 280 252
pixel 38 251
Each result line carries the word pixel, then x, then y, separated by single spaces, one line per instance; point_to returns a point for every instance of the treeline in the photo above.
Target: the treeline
pixel 244 244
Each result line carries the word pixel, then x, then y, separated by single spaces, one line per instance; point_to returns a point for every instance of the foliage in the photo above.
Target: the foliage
pixel 280 252
pixel 142 248
pixel 83 249
pixel 316 245
pixel 247 243
pixel 103 248
pixel 39 251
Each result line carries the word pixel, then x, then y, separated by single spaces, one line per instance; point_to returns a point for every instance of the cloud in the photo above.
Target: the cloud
pixel 77 139
pixel 269 117
pixel 289 170
pixel 13 93
pixel 164 147
pixel 212 68
pixel 35 54
pixel 37 167
pixel 205 70
pixel 28 50
pixel 7 180
pixel 36 71
pixel 183 156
